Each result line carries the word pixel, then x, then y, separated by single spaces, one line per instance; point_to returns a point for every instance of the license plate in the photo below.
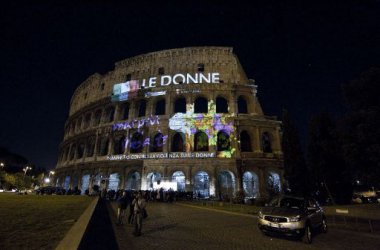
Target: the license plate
pixel 276 225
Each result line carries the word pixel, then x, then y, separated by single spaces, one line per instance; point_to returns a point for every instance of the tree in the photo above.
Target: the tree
pixel 325 159
pixel 296 172
pixel 361 140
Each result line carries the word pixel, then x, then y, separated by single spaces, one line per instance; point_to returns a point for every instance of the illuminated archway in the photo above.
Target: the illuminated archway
pixel 133 181
pixel 158 142
pixel 273 183
pixel 200 141
pixel 152 178
pixel 137 143
pixel 250 184
pixel 113 182
pixel 201 185
pixel 85 183
pixel 179 177
pixel 223 141
pixel 66 183
pixel 226 184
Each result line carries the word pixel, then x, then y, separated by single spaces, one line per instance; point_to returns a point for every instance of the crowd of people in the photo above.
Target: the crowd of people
pixel 136 201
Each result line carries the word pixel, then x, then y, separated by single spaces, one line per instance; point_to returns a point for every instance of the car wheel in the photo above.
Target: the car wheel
pixel 324 225
pixel 307 237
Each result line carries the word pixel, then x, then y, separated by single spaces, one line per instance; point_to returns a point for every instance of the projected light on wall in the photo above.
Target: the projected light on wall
pixel 213 124
pixel 126 90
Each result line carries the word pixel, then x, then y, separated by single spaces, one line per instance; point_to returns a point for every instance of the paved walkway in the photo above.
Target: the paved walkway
pixel 174 226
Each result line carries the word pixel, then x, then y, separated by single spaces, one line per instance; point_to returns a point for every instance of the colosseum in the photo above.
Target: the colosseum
pixel 184 119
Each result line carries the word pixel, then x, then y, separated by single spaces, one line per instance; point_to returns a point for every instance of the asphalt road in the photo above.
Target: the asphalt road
pixel 174 226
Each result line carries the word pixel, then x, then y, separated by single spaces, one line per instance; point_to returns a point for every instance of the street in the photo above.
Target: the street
pixel 176 226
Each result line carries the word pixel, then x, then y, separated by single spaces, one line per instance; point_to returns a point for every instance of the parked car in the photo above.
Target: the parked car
pixel 292 216
pixel 364 194
pixel 50 190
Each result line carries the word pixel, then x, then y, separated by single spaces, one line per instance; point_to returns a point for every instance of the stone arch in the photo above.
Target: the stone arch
pixel 103 146
pixel 180 105
pixel 201 185
pixel 137 143
pixel 114 181
pixel 80 150
pixel 97 117
pixel 242 105
pixel 151 178
pixel 85 183
pixel 226 185
pixel 66 183
pixel 119 145
pixel 72 151
pixel 133 180
pixel 251 184
pixel 90 146
pixel 157 142
pixel 110 114
pixel 178 142
pixel 200 141
pixel 245 142
pixel 221 105
pixel 141 108
pixel 160 107
pixel 125 111
pixel 200 105
pixel 223 141
pixel 266 142
pixel 87 121
pixel 273 183
pixel 180 178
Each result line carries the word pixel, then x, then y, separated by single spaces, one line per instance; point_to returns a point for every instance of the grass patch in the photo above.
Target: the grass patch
pixel 37 222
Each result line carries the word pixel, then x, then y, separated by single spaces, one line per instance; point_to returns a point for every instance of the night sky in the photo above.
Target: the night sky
pixel 299 55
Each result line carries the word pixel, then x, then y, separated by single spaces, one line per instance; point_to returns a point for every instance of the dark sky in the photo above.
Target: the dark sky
pixel 299 54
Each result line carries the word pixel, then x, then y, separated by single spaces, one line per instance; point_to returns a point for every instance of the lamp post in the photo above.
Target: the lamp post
pixel 2 165
pixel 47 180
pixel 26 169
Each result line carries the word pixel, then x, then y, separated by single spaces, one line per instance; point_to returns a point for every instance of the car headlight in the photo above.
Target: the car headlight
pixel 295 218
pixel 261 216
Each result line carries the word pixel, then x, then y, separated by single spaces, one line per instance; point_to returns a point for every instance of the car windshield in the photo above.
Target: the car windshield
pixel 287 202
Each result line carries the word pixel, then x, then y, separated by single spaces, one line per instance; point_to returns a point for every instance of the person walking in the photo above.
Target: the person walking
pixel 122 204
pixel 131 208
pixel 139 204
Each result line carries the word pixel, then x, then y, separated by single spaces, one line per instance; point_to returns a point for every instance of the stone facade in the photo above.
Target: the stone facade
pixel 243 149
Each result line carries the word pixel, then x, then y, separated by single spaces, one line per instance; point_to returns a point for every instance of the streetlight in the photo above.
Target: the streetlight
pixel 51 173
pixel 47 180
pixel 2 165
pixel 26 169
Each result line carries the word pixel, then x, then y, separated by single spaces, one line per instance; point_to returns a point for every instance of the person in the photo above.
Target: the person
pixel 139 204
pixel 122 204
pixel 131 209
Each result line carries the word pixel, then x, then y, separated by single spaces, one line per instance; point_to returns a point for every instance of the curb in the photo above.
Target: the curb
pixel 75 234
